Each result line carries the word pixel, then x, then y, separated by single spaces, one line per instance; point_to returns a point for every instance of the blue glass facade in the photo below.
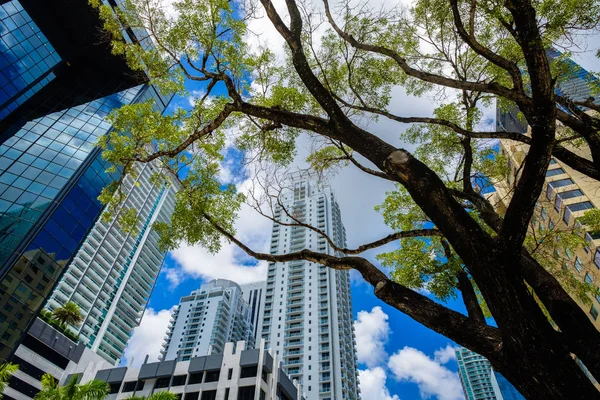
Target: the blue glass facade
pixel 507 390
pixel 27 59
pixel 38 161
pixel 50 178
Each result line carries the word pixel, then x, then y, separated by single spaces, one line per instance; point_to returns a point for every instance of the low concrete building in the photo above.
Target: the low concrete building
pixel 252 374
pixel 45 350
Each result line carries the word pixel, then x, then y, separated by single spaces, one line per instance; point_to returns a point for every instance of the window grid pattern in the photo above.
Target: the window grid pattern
pixel 34 275
pixel 37 162
pixel 26 57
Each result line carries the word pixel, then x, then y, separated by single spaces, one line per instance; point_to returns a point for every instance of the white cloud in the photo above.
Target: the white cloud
pixel 372 385
pixel 445 354
pixel 372 331
pixel 434 380
pixel 228 263
pixel 147 338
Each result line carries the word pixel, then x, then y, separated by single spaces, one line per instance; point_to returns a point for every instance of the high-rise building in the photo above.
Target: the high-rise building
pixel 308 310
pixel 475 374
pixel 567 195
pixel 204 321
pixel 51 60
pixel 575 83
pixel 55 92
pixel 254 295
pixel 113 273
pixel 237 373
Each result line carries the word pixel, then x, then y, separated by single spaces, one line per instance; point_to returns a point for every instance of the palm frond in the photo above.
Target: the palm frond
pixel 163 396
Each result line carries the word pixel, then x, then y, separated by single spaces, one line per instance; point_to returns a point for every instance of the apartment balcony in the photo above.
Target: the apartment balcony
pixel 297 325
pixel 296 280
pixel 295 310
pixel 325 389
pixel 298 334
pixel 325 368
pixel 325 377
pixel 292 353
pixel 293 343
pixel 297 294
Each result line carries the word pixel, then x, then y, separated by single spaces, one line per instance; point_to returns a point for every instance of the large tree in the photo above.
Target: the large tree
pixel 341 63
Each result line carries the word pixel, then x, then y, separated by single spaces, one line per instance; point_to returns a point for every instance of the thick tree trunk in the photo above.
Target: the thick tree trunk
pixel 572 321
pixel 534 356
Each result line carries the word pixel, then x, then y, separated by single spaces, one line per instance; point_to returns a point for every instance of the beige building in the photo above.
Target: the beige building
pixel 566 196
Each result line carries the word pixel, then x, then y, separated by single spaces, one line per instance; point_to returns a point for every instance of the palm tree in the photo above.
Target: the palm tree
pixel 156 396
pixel 6 371
pixel 93 390
pixel 69 314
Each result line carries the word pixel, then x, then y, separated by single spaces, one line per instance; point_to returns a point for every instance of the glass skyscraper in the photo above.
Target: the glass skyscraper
pixel 57 86
pixel 307 316
pixel 50 180
pixel 52 58
pixel 27 59
pixel 113 273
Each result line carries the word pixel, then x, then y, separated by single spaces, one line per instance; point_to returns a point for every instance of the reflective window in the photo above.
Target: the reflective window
pixel 27 58
pixel 38 164
pixel 553 172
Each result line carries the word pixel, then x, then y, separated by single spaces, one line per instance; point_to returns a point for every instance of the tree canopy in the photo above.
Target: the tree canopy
pixel 341 62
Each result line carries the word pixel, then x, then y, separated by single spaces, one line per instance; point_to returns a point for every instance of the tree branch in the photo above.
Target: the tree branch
pixel 489 55
pixel 360 249
pixel 482 338
pixel 492 87
pixel 469 297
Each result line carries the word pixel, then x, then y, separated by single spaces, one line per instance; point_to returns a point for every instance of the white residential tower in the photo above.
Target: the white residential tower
pixel 113 273
pixel 207 319
pixel 308 311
